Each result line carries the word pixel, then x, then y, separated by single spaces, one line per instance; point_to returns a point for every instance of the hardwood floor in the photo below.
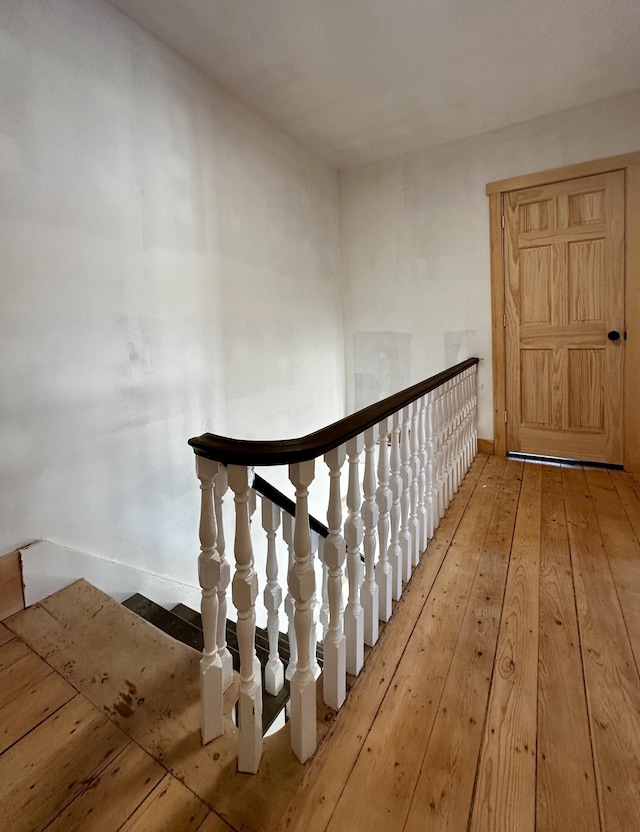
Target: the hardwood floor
pixel 65 766
pixel 503 695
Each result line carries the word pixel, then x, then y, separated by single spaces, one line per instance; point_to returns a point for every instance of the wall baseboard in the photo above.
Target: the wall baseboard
pixel 11 592
pixel 486 446
pixel 48 567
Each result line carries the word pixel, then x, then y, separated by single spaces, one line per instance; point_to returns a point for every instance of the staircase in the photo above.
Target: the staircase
pixel 185 625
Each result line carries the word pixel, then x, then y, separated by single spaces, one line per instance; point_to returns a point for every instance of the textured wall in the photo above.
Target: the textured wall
pixel 415 238
pixel 169 265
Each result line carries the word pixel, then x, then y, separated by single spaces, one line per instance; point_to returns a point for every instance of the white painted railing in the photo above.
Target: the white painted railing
pixel 410 453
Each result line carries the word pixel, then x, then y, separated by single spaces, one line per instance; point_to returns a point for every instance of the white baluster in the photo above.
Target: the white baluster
pixel 395 484
pixel 211 690
pixel 314 607
pixel 302 583
pixel 384 572
pixel 439 469
pixel 468 448
pixel 444 487
pixel 221 486
pixel 324 607
pixel 334 669
pixel 423 520
pixel 288 529
pixel 370 514
pixel 244 591
pixel 414 524
pixel 457 427
pixel 354 614
pixel 459 437
pixel 274 670
pixel 473 441
pixel 430 496
pixel 449 454
pixel 405 500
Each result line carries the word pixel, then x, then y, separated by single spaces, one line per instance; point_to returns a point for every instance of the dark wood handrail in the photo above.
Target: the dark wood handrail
pixel 287 451
pixel 276 496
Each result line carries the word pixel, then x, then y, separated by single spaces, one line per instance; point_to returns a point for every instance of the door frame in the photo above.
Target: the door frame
pixel 630 164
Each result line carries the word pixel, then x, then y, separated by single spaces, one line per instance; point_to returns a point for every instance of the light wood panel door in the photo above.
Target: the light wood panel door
pixel 564 294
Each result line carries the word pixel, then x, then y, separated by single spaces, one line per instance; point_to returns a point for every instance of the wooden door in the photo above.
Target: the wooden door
pixel 564 292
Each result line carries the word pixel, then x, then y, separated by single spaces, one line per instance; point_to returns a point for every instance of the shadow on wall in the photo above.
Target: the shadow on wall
pixel 382 365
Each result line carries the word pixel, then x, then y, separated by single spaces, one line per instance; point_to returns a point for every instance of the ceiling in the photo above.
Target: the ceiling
pixel 356 81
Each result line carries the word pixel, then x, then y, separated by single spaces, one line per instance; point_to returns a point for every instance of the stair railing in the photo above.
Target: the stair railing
pixel 426 439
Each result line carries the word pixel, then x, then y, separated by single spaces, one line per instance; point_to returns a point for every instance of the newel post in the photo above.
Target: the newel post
pixel 211 683
pixel 244 590
pixel 302 585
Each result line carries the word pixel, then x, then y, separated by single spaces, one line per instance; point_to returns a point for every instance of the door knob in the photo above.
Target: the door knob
pixel 614 335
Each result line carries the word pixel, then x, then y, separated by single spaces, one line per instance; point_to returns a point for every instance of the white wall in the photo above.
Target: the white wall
pixel 169 265
pixel 415 245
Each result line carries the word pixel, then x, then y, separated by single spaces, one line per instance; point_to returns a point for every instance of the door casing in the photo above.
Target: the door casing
pixel 630 163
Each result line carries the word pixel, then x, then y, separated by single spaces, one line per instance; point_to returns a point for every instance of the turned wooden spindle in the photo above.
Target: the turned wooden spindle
pixel 353 531
pixel 370 514
pixel 423 521
pixel 221 486
pixel 244 591
pixel 395 484
pixel 405 500
pixel 211 685
pixel 288 529
pixel 302 584
pixel 274 669
pixel 335 653
pixel 414 523
pixel 384 572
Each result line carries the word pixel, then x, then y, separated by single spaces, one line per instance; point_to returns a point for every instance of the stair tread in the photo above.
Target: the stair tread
pixel 262 637
pixel 177 625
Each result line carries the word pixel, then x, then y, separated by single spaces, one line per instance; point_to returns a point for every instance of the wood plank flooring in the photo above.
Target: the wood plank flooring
pixel 503 695
pixel 65 766
pixel 514 705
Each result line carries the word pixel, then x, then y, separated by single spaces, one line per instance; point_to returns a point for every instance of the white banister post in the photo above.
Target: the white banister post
pixel 405 530
pixel 439 432
pixel 459 470
pixel 211 689
pixel 324 606
pixel 288 528
pixel 445 448
pixel 354 614
pixel 334 669
pixel 414 524
pixel 302 584
pixel 384 573
pixel 430 448
pixel 468 417
pixel 457 422
pixel 395 484
pixel 315 615
pixel 475 411
pixel 423 521
pixel 274 669
pixel 244 591
pixel 221 487
pixel 450 426
pixel 370 515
